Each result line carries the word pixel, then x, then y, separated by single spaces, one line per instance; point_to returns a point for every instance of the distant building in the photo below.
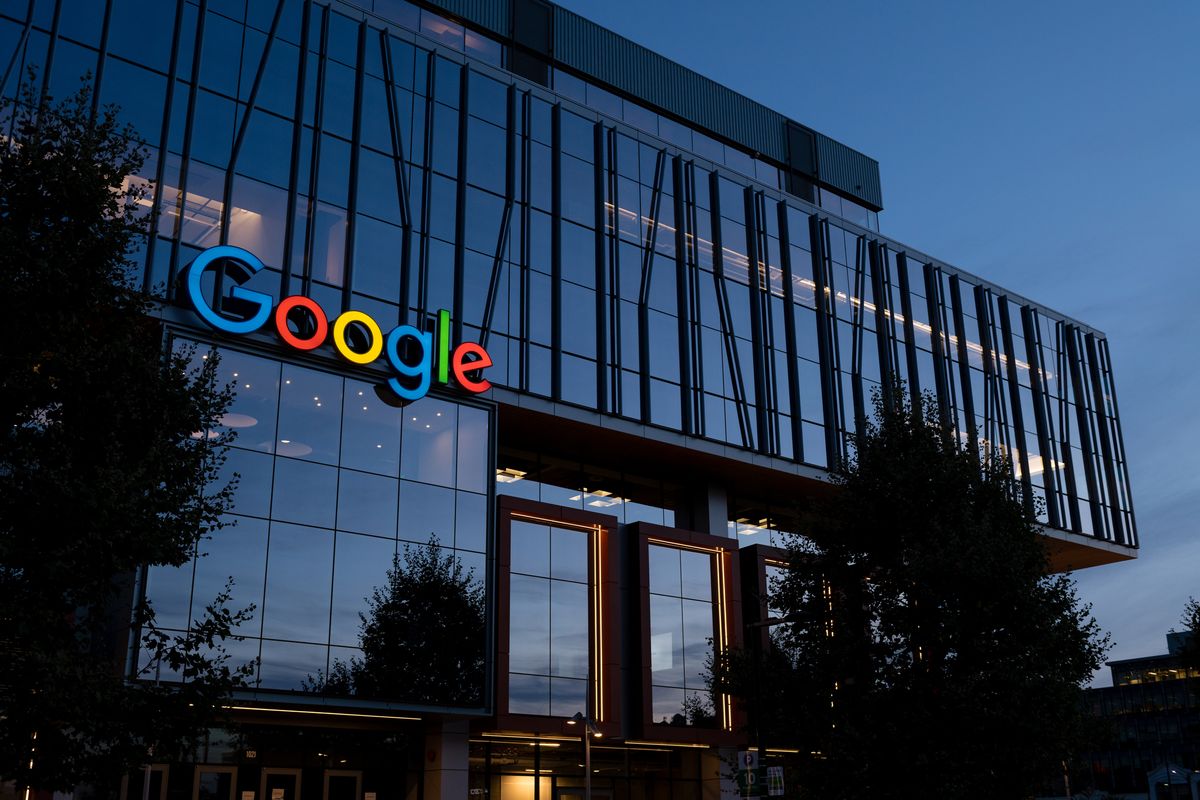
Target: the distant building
pixel 1150 747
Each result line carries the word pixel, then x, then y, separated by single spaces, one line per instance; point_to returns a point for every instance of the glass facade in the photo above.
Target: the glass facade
pixel 549 619
pixel 331 486
pixel 381 160
pixel 682 632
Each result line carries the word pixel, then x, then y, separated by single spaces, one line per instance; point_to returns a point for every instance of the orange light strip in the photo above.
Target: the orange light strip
pixel 597 624
pixel 682 546
pixel 321 713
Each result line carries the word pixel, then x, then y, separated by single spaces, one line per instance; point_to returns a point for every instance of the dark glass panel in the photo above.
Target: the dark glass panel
pixel 252 492
pixel 304 492
pixel 238 550
pixel 377 193
pixel 366 503
pixel 530 548
pixel 360 566
pixel 528 694
pixel 696 570
pixel 287 665
pixel 470 522
pixel 474 438
pixel 310 407
pixel 569 629
pixel 377 250
pixel 666 641
pixel 430 441
pixel 529 624
pixel 299 580
pixel 426 512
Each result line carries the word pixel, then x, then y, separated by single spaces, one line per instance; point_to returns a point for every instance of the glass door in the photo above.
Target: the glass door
pixel 342 784
pixel 280 784
pixel 213 782
pixel 133 785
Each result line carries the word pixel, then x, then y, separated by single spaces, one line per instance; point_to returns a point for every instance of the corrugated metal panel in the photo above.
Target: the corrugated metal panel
pixel 849 170
pixel 491 15
pixel 585 46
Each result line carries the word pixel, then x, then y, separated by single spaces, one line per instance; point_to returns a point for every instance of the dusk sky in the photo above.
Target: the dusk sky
pixel 1052 148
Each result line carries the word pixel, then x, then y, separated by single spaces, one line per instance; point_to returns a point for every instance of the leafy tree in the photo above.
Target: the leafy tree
pixel 926 651
pixel 1191 626
pixel 101 466
pixel 422 635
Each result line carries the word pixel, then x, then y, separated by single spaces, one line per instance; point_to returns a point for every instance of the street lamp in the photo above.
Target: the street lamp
pixel 590 731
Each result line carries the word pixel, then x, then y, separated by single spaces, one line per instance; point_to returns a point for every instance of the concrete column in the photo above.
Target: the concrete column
pixel 446 759
pixel 705 509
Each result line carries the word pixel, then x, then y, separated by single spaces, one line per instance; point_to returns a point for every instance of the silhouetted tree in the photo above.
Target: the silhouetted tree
pixel 104 458
pixel 926 650
pixel 422 636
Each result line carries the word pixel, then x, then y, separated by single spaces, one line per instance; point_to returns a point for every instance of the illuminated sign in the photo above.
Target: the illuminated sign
pixel 407 350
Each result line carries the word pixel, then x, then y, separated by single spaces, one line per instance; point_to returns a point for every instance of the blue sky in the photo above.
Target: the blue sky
pixel 1053 148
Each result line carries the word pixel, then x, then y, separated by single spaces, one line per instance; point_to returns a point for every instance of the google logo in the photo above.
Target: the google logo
pixel 408 351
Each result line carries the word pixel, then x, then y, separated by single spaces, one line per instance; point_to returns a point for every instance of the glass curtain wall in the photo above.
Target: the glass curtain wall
pixel 399 172
pixel 332 486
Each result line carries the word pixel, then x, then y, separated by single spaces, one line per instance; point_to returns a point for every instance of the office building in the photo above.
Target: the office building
pixel 485 272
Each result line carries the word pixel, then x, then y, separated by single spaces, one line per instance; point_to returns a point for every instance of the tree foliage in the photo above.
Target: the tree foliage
pixel 926 650
pixel 101 466
pixel 422 636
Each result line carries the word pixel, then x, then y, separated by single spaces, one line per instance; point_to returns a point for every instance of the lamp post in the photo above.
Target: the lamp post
pixel 590 731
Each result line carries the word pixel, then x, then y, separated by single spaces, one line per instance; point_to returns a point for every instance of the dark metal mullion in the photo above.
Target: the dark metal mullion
pixel 612 357
pixel 726 315
pixel 789 331
pixel 460 204
pixel 164 133
pixel 355 155
pixel 426 191
pixel 315 154
pixel 1037 388
pixel 102 56
pixel 681 297
pixel 556 251
pixel 1106 448
pixel 964 365
pixel 510 184
pixel 1085 434
pixel 602 168
pixel 699 424
pixel 857 334
pixel 24 40
pixel 1017 413
pixel 644 289
pixel 910 338
pixel 993 418
pixel 877 258
pixel 289 233
pixel 186 155
pixel 937 345
pixel 55 22
pixel 1064 427
pixel 226 207
pixel 1119 445
pixel 825 347
pixel 758 345
pixel 523 255
pixel 766 326
pixel 401 168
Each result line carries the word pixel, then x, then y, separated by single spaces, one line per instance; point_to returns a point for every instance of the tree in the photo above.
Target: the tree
pixel 1191 626
pixel 926 650
pixel 422 636
pixel 105 458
